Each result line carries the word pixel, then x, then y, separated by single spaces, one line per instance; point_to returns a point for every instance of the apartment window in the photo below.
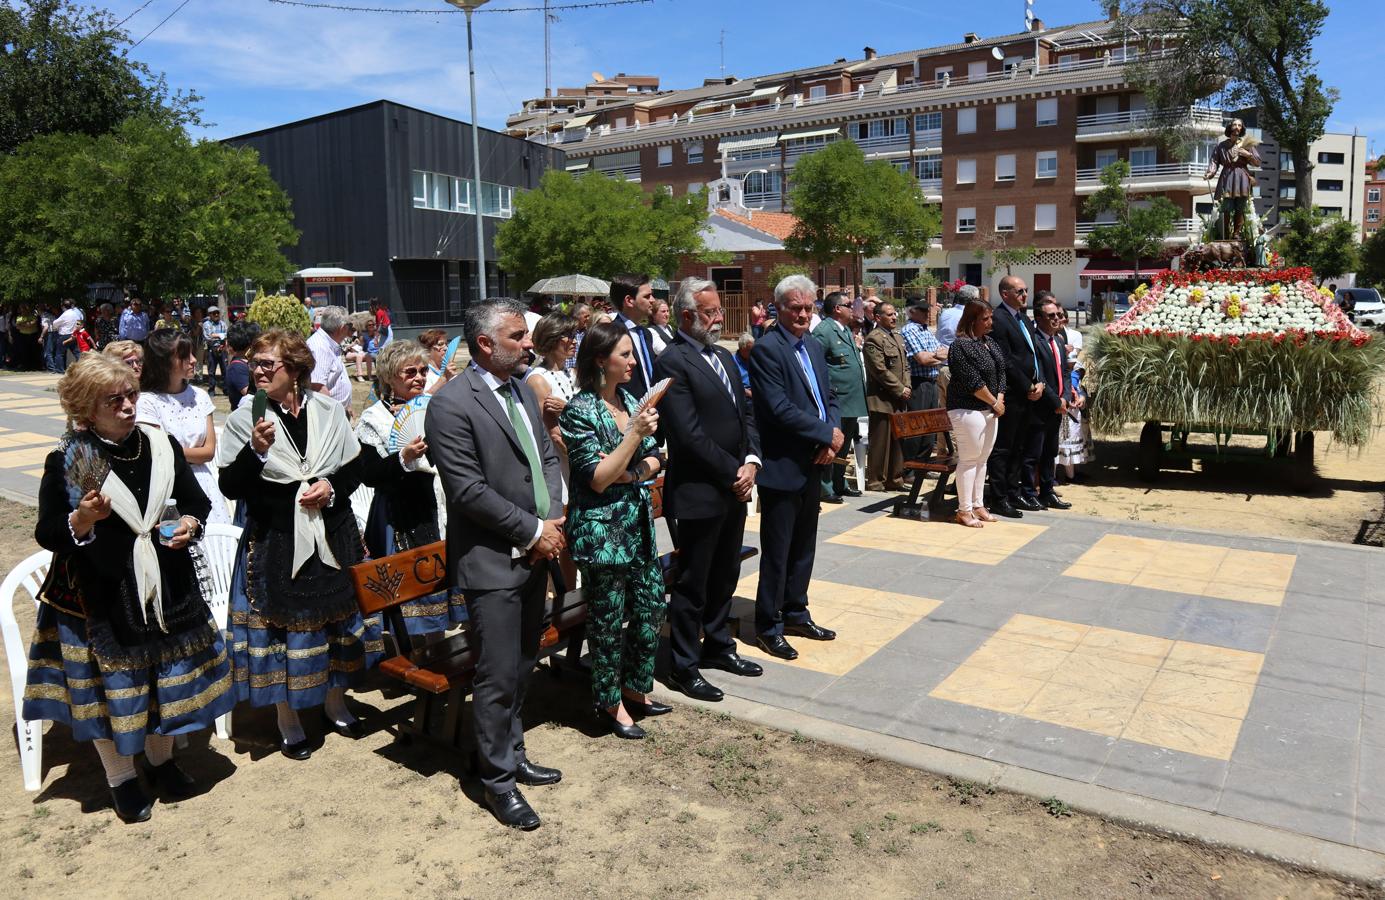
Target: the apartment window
pixel 966 120
pixel 1332 159
pixel 966 220
pixel 695 152
pixel 1004 218
pixel 1204 209
pixel 1105 157
pixel 1046 217
pixel 817 92
pixel 1330 184
pixel 1013 62
pixel 942 73
pixel 1286 161
pixel 1372 215
pixel 1288 192
pixel 1372 195
pixel 694 187
pixel 1046 111
pixel 1143 158
pixel 1332 211
pixel 1005 117
pixel 1068 60
pixel 1046 164
pixel 966 171
pixel 929 168
pixel 976 71
pixel 666 155
pixel 902 165
pixel 1005 167
pixel 762 183
pixel 928 121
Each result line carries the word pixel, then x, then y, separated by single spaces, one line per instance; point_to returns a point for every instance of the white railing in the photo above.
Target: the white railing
pixel 629 173
pixel 767 198
pixel 1161 171
pixel 1143 119
pixel 740 156
pixel 1181 228
pixel 931 186
pixel 883 142
pixel 794 151
pixel 932 138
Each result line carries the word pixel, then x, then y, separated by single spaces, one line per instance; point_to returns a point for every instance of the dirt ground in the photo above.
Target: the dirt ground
pixel 707 806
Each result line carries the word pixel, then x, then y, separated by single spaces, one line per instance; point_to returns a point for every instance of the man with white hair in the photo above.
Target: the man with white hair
pixel 329 370
pixel 800 432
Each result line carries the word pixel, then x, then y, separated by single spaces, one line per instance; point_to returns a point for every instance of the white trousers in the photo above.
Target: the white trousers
pixel 974 433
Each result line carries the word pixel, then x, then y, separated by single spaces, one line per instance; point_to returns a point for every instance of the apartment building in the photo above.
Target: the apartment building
pixel 1007 134
pixel 562 105
pixel 1339 175
pixel 1373 208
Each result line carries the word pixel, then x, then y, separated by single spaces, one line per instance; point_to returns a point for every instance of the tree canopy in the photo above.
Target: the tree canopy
pixel 849 207
pixel 1139 228
pixel 143 206
pixel 597 225
pixel 1325 243
pixel 64 68
pixel 1372 267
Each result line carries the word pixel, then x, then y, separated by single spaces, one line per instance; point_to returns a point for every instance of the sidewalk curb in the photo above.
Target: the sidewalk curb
pixel 1353 864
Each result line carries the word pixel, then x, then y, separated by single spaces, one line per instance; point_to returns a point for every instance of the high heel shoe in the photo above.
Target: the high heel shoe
pixel 967 519
pixel 629 732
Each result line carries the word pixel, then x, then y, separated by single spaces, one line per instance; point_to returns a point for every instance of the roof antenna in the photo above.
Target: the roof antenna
pixel 723 53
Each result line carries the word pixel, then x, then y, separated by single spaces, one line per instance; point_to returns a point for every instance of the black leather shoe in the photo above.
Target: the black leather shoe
pixel 629 732
pixel 811 630
pixel 527 773
pixel 131 803
pixel 512 810
pixel 355 730
pixel 695 686
pixel 645 707
pixel 171 782
pixel 1030 503
pixel 850 492
pixel 831 498
pixel 299 751
pixel 1007 509
pixel 775 645
pixel 1053 501
pixel 733 663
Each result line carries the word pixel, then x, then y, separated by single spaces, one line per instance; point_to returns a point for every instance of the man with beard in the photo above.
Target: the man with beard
pixel 714 457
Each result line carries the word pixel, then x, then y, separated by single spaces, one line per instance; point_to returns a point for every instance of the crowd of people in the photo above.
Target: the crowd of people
pixel 536 463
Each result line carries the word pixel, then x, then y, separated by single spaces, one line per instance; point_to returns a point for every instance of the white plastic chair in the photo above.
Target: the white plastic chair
pixel 29 575
pixel 360 505
pixel 219 547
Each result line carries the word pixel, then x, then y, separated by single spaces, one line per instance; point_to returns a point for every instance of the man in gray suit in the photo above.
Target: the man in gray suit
pixel 504 525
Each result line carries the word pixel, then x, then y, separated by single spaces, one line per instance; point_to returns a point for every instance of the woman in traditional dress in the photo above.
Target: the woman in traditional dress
pixel 404 512
pixel 298 639
pixel 170 402
pixel 125 651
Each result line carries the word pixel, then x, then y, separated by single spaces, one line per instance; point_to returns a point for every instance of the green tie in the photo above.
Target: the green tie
pixel 526 443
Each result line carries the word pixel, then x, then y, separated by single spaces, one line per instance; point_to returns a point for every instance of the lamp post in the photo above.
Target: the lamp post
pixel 468 7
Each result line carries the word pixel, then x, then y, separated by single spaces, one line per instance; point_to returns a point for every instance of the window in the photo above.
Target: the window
pixel 1205 209
pixel 966 120
pixel 1372 195
pixel 966 171
pixel 1372 215
pixel 1332 211
pixel 928 121
pixel 461 194
pixel 1068 60
pixel 420 189
pixel 1332 159
pixel 1143 158
pixel 1004 218
pixel 1046 164
pixel 1005 167
pixel 497 200
pixel 1005 117
pixel 1105 157
pixel 966 220
pixel 1288 192
pixel 1286 161
pixel 1046 111
pixel 449 193
pixel 817 92
pixel 695 152
pixel 976 71
pixel 694 187
pixel 1329 184
pixel 1046 217
pixel 928 168
pixel 666 190
pixel 620 123
pixel 666 155
pixel 1013 62
pixel 759 183
pixel 902 165
pixel 942 73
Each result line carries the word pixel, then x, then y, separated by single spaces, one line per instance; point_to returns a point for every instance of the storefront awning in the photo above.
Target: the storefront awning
pixel 812 133
pixel 748 142
pixel 1118 269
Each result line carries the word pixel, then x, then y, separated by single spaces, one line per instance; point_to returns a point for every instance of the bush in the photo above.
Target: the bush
pixel 280 311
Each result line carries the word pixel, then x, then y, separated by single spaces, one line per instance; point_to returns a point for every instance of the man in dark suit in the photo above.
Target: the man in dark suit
pixel 1041 452
pixel 1015 334
pixel 848 380
pixel 714 457
pixel 504 492
pixel 800 431
pixel 632 297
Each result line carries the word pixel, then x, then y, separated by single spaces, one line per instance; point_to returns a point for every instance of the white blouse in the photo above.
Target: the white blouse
pixel 183 416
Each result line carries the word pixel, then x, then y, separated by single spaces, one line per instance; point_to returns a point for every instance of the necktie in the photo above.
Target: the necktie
pixel 531 453
pixel 812 378
pixel 637 335
pixel 720 370
pixel 1057 365
pixel 1023 323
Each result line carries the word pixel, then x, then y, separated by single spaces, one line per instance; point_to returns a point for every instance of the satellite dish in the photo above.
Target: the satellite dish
pixel 597 78
pixel 997 53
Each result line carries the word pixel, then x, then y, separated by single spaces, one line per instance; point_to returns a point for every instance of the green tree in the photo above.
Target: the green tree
pixel 64 68
pixel 280 311
pixel 144 206
pixel 1139 229
pixel 849 207
pixel 1003 256
pixel 597 225
pixel 1259 53
pixel 784 270
pixel 1372 267
pixel 1327 244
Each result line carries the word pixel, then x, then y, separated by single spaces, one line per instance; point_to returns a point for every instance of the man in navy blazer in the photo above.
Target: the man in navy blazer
pixel 1041 448
pixel 800 432
pixel 1014 332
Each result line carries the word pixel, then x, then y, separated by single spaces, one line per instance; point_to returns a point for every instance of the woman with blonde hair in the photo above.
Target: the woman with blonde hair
pixel 125 651
pixel 127 352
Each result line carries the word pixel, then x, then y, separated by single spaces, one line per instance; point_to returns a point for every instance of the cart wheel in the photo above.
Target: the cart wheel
pixel 1303 458
pixel 1151 449
pixel 1281 448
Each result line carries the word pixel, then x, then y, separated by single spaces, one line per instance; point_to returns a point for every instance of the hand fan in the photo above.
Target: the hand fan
pixel 86 468
pixel 655 394
pixel 258 405
pixel 451 353
pixel 408 424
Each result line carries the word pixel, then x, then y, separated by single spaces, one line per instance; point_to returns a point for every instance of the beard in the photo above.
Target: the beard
pixel 506 361
pixel 707 336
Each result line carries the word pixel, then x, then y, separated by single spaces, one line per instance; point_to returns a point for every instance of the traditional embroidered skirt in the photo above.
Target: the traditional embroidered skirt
pixel 67 684
pixel 432 614
pixel 273 664
pixel 1074 439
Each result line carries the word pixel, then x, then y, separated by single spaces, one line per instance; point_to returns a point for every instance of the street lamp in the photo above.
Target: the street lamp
pixel 468 7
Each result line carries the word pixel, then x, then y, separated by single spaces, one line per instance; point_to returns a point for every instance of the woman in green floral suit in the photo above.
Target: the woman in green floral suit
pixel 610 526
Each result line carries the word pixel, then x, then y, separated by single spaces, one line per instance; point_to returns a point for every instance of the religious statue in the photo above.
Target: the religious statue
pixel 1234 156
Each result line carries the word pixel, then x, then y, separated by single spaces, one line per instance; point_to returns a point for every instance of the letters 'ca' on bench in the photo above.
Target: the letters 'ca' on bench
pixel 917 424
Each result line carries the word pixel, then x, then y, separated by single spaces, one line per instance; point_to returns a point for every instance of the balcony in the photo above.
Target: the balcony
pixel 889 143
pixel 770 201
pixel 932 188
pixel 1184 231
pixel 1105 126
pixel 1159 177
pixel 628 173
pixel 932 139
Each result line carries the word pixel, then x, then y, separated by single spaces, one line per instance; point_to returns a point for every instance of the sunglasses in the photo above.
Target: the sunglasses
pixel 411 372
pixel 266 365
pixel 115 401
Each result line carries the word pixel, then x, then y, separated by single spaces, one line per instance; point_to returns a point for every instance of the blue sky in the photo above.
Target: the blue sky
pixel 259 64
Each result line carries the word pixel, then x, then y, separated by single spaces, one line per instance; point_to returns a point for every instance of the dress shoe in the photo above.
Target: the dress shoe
pixel 131 803
pixel 775 645
pixel 694 685
pixel 629 732
pixel 1005 508
pixel 353 729
pixel 171 782
pixel 831 498
pixel 299 751
pixel 512 810
pixel 527 773
pixel 849 492
pixel 1030 503
pixel 1053 501
pixel 645 707
pixel 811 630
pixel 733 663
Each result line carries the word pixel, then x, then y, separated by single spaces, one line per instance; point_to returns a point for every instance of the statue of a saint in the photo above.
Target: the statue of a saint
pixel 1234 156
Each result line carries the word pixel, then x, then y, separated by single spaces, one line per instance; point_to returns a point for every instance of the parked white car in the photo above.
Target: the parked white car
pixel 1363 305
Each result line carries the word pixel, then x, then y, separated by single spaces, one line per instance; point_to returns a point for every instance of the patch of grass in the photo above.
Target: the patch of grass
pixel 968 793
pixel 969 836
pixel 925 827
pixel 1055 807
pixel 799 737
pixel 860 838
pixel 684 817
pixel 42 812
pixel 894 846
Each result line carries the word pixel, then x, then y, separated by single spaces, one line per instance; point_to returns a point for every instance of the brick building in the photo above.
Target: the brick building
pixel 1374 209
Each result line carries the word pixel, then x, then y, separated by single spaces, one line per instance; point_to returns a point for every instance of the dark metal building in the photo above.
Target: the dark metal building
pixel 387 188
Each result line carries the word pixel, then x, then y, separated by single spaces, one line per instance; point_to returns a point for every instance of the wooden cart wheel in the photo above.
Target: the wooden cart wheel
pixel 1303 459
pixel 1151 450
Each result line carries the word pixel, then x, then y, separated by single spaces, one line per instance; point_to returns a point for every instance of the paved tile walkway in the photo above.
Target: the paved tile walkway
pixel 31 421
pixel 1238 675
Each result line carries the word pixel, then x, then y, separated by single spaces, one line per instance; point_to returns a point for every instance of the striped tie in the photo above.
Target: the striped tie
pixel 721 371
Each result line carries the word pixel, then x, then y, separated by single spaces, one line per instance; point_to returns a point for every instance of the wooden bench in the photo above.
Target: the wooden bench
pixel 917 424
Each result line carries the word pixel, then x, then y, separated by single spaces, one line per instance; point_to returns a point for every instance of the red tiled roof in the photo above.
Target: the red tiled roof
pixel 777 224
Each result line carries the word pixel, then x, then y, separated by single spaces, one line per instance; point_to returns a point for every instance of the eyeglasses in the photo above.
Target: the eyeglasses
pixel 411 372
pixel 134 362
pixel 267 365
pixel 115 401
pixel 1019 290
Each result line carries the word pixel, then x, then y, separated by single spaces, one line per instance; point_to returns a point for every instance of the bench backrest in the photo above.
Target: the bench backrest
pixel 919 423
pixel 400 577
